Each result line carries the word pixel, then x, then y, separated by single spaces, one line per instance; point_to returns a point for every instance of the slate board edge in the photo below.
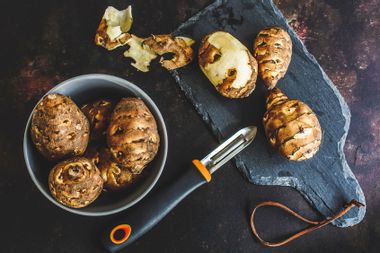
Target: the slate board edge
pixel 285 181
pixel 175 74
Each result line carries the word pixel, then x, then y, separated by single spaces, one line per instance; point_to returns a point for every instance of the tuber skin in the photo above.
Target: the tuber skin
pixel 132 135
pixel 273 51
pixel 59 129
pixel 114 175
pixel 113 29
pixel 291 127
pixel 179 46
pixel 141 54
pixel 98 114
pixel 75 182
pixel 228 64
pixel 113 32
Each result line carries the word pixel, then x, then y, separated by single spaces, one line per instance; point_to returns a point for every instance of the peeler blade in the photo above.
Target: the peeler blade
pixel 229 148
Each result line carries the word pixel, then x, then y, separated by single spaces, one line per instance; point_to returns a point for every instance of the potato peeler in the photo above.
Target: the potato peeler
pixel 142 217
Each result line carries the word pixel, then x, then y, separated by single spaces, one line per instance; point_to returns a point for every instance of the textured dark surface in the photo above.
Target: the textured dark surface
pixel 47 42
pixel 326 181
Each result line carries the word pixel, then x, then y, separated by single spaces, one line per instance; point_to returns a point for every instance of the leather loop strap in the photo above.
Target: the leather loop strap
pixel 316 224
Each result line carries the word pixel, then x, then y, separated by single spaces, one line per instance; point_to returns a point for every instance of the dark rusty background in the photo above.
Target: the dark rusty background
pixel 45 42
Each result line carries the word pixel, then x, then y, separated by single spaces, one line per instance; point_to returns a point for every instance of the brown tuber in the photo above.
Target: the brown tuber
pixel 59 129
pixel 75 182
pixel 273 51
pixel 291 126
pixel 132 135
pixel 114 175
pixel 98 114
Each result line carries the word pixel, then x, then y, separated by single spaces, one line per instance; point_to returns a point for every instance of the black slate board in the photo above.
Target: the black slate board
pixel 326 180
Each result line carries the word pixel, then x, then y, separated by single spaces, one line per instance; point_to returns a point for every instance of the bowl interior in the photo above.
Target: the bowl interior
pixel 84 89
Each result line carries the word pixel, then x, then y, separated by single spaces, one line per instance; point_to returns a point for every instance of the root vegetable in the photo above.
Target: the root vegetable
pixel 273 51
pixel 291 127
pixel 228 65
pixel 75 182
pixel 114 175
pixel 59 128
pixel 132 135
pixel 98 114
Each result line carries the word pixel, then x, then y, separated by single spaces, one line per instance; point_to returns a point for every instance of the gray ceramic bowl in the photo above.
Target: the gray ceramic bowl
pixel 83 89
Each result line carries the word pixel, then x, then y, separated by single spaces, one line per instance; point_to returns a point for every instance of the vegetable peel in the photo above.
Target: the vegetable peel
pixel 114 27
pixel 113 32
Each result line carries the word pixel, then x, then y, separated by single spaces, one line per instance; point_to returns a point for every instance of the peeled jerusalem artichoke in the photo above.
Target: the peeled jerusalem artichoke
pixel 273 51
pixel 228 65
pixel 291 126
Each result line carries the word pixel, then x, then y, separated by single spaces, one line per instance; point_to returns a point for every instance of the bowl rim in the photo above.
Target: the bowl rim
pixel 163 143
